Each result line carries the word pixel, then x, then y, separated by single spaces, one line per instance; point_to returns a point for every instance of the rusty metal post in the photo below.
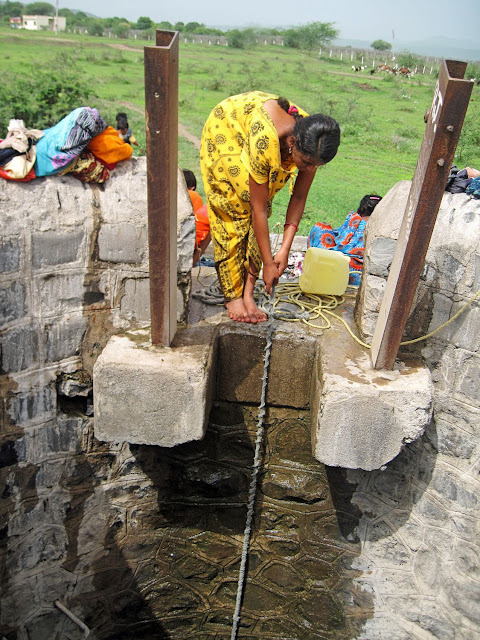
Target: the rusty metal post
pixel 444 125
pixel 161 118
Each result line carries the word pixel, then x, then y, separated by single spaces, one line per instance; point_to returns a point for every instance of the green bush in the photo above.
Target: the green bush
pixel 469 141
pixel 41 97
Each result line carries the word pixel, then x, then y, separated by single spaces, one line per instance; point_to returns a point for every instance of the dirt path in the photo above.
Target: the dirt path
pixel 182 131
pixel 123 47
pixel 114 45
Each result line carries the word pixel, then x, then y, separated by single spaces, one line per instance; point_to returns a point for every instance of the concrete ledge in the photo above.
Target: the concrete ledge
pixel 154 395
pixel 361 417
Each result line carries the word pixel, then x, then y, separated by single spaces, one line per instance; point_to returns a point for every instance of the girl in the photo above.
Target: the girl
pixel 252 144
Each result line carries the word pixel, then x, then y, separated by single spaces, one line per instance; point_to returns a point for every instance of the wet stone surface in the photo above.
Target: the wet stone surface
pixel 299 568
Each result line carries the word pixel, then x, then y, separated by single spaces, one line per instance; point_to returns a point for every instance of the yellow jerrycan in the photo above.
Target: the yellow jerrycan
pixel 325 272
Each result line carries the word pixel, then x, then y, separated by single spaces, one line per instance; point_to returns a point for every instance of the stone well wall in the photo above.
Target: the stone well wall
pixel 73 271
pixel 143 542
pixel 420 523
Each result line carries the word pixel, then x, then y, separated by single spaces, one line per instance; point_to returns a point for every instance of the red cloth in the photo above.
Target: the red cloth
pixel 30 176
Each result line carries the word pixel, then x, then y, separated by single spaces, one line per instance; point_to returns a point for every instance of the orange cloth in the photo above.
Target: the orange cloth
pixel 196 199
pixel 201 223
pixel 109 147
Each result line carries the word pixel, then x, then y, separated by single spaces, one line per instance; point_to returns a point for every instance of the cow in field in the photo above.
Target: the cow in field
pixel 386 68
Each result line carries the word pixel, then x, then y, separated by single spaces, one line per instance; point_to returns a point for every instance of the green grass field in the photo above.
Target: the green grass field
pixel 381 117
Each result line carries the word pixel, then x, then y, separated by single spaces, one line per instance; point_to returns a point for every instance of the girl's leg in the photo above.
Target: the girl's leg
pixel 255 314
pixel 245 309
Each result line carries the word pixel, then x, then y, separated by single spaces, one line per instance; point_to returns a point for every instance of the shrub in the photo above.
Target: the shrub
pixel 469 141
pixel 41 97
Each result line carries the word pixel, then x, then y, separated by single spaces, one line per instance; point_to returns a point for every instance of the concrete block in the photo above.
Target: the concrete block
pixel 369 300
pixel 9 256
pixel 185 227
pixel 59 294
pixel 381 256
pixel 19 349
pixel 12 302
pixel 34 405
pixel 64 338
pixel 50 248
pixel 468 381
pixel 463 331
pixel 362 418
pixel 123 242
pixel 51 440
pixel 154 395
pixel 135 302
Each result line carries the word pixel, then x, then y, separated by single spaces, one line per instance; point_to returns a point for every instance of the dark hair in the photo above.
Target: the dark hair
pixel 190 179
pixel 368 204
pixel 316 136
pixel 122 121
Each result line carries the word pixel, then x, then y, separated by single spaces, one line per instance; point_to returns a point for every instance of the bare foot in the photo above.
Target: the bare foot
pixel 237 310
pixel 256 314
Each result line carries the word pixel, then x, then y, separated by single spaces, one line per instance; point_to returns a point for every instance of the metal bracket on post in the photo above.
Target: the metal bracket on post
pixel 444 125
pixel 161 119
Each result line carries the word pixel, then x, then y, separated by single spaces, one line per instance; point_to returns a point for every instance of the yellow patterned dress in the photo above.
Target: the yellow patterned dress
pixel 239 139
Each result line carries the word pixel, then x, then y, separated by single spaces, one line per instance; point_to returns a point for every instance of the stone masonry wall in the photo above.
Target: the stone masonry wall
pixel 143 542
pixel 73 271
pixel 420 528
pixel 138 541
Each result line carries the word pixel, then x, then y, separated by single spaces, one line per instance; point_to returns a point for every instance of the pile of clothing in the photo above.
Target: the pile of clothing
pixel 458 180
pixel 348 239
pixel 82 145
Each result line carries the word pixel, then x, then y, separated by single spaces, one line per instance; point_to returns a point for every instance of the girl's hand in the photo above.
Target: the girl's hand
pixel 281 260
pixel 270 276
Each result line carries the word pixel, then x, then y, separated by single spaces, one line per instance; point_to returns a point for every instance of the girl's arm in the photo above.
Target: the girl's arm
pixel 258 202
pixel 295 210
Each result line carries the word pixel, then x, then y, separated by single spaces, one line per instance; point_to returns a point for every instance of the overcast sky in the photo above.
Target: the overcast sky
pixel 359 19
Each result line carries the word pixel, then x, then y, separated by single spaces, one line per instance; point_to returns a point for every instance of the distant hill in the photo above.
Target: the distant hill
pixel 438 47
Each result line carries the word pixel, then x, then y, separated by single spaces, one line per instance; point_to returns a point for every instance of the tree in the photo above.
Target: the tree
pixel 121 29
pixel 240 39
pixel 144 23
pixel 408 59
pixel 95 27
pixel 11 9
pixel 78 19
pixel 318 34
pixel 381 45
pixel 39 9
pixel 310 36
pixel 191 27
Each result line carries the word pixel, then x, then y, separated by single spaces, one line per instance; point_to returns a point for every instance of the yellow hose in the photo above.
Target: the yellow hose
pixel 315 307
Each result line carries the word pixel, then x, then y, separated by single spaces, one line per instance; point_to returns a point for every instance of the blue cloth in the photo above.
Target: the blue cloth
pixel 348 239
pixel 473 188
pixel 64 142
